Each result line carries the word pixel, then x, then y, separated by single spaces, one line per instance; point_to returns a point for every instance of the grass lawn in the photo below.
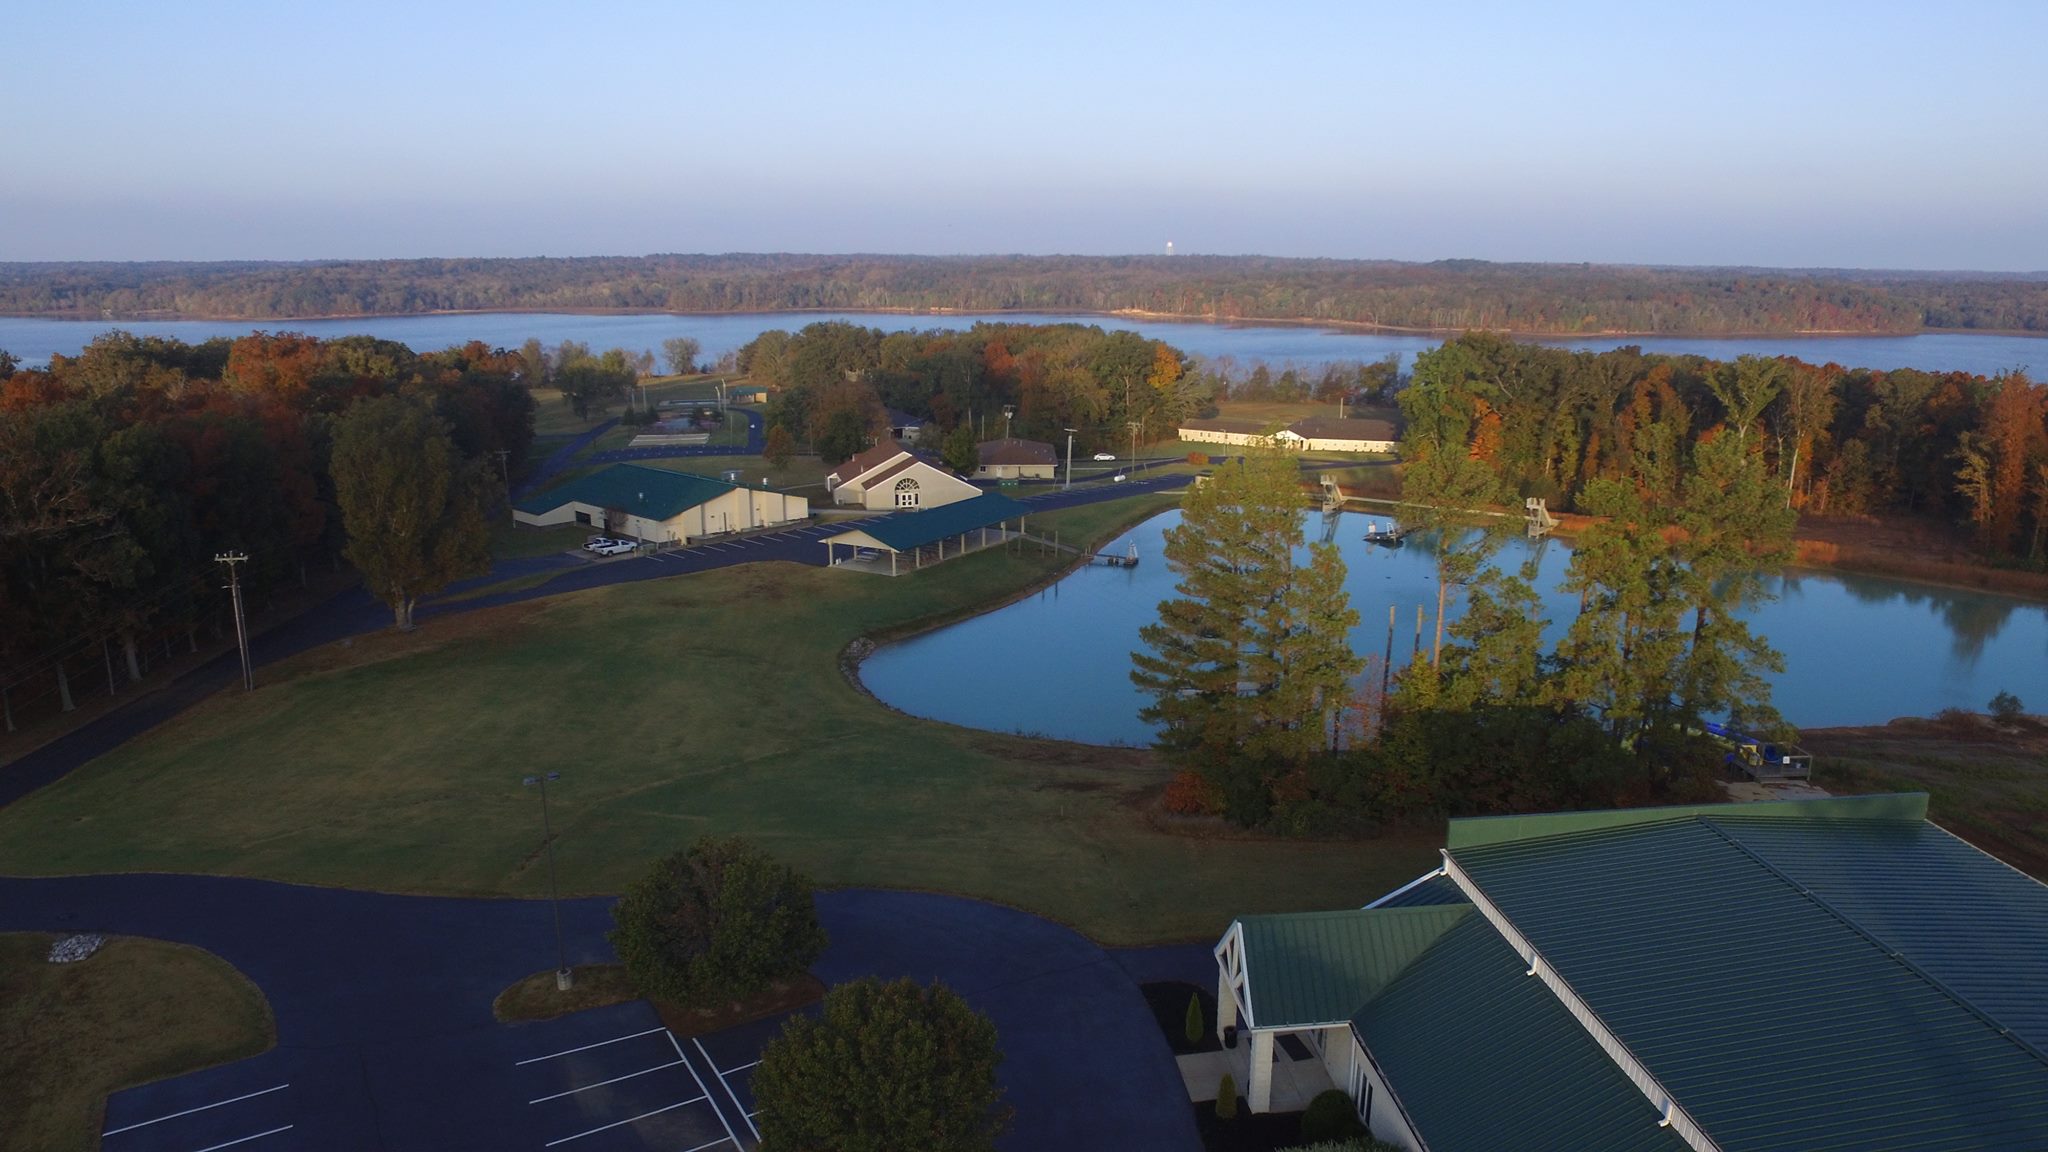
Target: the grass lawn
pixel 710 703
pixel 138 1010
pixel 1986 784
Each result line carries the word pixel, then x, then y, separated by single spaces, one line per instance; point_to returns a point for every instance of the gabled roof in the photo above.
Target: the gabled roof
pixel 1785 974
pixel 1427 889
pixel 1015 451
pixel 650 493
pixel 1318 967
pixel 907 530
pixel 898 418
pixel 1483 1058
pixel 888 449
pixel 1331 428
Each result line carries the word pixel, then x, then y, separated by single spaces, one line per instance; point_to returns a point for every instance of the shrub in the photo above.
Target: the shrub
pixel 715 923
pixel 2006 707
pixel 1199 459
pixel 1226 1097
pixel 884 1068
pixel 1194 1024
pixel 1330 1117
pixel 1190 794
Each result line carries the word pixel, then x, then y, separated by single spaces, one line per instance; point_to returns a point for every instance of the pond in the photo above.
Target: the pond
pixel 1858 649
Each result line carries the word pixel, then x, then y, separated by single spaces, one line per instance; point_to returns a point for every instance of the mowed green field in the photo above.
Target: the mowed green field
pixel 709 703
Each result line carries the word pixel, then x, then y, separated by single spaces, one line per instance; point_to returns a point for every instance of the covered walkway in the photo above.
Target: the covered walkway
pixel 951 529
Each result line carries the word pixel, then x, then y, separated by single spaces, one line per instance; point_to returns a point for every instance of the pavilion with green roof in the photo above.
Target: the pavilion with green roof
pixel 1836 973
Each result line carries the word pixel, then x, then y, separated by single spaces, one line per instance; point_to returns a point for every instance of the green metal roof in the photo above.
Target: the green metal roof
pixel 1483 1058
pixel 652 493
pixel 1321 967
pixel 1974 924
pixel 1476 831
pixel 904 531
pixel 1776 1019
pixel 1433 888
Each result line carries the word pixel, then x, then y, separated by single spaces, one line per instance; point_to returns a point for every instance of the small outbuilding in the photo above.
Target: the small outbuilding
pixel 1014 459
pixel 952 530
pixel 660 506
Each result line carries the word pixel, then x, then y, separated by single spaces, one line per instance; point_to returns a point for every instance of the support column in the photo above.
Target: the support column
pixel 1226 1003
pixel 1261 1090
pixel 892 561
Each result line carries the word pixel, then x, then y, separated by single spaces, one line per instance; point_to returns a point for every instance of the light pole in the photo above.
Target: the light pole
pixel 1070 460
pixel 1006 420
pixel 1134 446
pixel 564 979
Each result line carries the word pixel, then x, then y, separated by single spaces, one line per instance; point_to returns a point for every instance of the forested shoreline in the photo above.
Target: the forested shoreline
pixel 1445 296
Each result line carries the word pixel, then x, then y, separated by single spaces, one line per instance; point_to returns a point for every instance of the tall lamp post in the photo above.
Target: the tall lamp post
pixel 1070 459
pixel 564 979
pixel 1134 445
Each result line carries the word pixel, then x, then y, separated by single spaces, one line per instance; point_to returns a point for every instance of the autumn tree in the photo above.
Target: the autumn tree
pixel 681 353
pixel 778 447
pixel 412 506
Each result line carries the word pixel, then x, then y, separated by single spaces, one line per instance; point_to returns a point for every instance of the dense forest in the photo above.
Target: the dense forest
pixel 1834 441
pixel 126 469
pixel 1450 295
pixel 836 380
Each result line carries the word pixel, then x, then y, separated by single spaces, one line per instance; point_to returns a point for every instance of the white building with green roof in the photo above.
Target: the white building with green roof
pixel 660 506
pixel 1834 974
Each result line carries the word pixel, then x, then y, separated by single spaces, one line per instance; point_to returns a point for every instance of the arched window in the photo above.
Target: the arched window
pixel 906 493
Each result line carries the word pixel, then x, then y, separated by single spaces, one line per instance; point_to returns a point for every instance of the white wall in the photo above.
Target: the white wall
pixel 1387 1122
pixel 1204 436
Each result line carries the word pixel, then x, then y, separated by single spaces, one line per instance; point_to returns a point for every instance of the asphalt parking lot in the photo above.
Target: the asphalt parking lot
pixel 614 1086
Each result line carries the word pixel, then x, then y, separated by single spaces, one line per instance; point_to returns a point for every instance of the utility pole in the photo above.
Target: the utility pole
pixel 1134 445
pixel 1070 460
pixel 564 978
pixel 234 587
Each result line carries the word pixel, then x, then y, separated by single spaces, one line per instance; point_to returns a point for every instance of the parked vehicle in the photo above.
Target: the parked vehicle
pixel 618 548
pixel 1118 478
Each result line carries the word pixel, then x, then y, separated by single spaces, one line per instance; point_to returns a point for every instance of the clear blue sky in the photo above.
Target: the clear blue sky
pixel 1868 134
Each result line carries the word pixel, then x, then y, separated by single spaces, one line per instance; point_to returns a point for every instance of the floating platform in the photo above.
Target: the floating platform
pixel 1389 537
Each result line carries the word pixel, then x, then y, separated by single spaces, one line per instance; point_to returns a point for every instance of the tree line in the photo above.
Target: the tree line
pixel 1446 295
pixel 1834 441
pixel 125 469
pixel 835 382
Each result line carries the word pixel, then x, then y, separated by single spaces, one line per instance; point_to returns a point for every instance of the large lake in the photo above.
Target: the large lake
pixel 34 339
pixel 1858 650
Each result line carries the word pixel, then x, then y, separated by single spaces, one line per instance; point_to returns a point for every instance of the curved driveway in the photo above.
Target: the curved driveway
pixel 383 1005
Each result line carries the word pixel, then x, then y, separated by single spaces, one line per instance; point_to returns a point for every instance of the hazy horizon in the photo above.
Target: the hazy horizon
pixel 1831 135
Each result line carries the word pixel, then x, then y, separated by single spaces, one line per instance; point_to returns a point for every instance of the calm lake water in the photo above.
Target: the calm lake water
pixel 35 339
pixel 1858 650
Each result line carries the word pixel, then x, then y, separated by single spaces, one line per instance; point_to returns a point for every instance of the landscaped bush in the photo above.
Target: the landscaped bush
pixel 716 923
pixel 1199 459
pixel 1226 1097
pixel 1194 1024
pixel 1329 1118
pixel 893 1067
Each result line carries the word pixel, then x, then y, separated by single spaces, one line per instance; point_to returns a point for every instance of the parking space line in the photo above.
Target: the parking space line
pixel 713 1144
pixel 189 1111
pixel 627 1120
pixel 588 1047
pixel 715 1109
pixel 728 1088
pixel 602 1083
pixel 245 1139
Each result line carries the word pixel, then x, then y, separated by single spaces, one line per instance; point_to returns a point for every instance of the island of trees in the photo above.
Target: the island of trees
pixel 1450 295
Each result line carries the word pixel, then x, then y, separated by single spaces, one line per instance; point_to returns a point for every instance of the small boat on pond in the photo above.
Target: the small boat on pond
pixel 1388 537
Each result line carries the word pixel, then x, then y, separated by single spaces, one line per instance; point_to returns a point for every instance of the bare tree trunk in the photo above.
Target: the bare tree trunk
pixel 128 650
pixel 64 688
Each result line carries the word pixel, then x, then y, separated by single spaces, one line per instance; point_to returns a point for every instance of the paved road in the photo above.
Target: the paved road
pixel 386 1041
